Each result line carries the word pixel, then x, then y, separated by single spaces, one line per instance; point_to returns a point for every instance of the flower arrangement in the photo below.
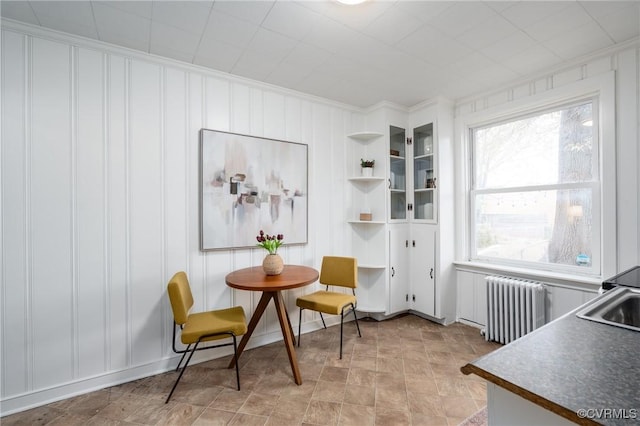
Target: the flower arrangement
pixel 367 163
pixel 270 242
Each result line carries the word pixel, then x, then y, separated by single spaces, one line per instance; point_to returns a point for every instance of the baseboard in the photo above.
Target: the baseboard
pixel 470 323
pixel 51 394
pixel 39 397
pixel 383 317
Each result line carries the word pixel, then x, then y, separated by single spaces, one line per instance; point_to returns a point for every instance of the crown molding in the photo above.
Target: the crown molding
pixel 565 66
pixel 89 43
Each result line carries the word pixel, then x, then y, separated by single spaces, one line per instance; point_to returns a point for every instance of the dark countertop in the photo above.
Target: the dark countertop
pixel 568 365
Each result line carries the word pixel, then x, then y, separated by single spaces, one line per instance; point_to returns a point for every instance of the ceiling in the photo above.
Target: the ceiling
pixel 400 51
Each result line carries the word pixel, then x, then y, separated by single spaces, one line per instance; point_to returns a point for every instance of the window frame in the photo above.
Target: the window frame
pixel 601 89
pixel 594 185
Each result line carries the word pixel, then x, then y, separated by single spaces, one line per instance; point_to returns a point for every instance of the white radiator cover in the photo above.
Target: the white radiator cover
pixel 515 307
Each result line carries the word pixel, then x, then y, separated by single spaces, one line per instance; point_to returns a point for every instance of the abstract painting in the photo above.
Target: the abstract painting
pixel 248 184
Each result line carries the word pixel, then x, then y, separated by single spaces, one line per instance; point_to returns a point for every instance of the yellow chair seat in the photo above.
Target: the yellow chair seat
pixel 328 302
pixel 219 321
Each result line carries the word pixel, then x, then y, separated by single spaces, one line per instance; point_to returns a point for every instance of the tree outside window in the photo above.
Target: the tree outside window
pixel 535 188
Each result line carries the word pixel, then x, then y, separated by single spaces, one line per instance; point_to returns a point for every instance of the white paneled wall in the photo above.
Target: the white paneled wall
pixel 100 206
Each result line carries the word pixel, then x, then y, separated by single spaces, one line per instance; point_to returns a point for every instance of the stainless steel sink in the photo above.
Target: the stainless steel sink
pixel 619 307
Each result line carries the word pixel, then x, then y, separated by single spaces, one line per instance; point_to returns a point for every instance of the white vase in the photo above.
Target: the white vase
pixel 367 171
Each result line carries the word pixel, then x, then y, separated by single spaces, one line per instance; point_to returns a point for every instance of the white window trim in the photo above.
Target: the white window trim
pixel 603 87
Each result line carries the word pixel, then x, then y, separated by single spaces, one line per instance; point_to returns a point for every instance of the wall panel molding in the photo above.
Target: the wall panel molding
pixel 107 156
pixel 27 197
pixel 106 64
pixel 73 114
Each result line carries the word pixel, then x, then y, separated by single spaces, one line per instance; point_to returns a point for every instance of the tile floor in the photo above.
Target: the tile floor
pixel 403 371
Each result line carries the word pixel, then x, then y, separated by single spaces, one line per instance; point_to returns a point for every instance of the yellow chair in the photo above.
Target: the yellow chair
pixel 335 271
pixel 202 326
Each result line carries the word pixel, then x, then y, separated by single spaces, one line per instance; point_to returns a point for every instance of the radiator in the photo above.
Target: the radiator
pixel 515 307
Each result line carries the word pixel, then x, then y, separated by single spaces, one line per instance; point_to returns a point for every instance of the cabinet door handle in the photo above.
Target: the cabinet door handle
pixel 389 183
pixel 393 272
pixel 431 273
pixel 414 243
pixel 406 297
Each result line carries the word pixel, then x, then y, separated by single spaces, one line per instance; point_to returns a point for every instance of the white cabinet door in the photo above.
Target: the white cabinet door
pixel 397 174
pixel 398 268
pixel 423 206
pixel 422 246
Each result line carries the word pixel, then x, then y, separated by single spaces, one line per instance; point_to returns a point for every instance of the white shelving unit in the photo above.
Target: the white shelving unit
pixel 368 222
pixel 365 136
pixel 368 237
pixel 412 160
pixel 420 262
pixel 366 179
pixel 404 265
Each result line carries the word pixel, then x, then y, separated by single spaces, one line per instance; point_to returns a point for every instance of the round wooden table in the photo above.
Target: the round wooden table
pixel 254 279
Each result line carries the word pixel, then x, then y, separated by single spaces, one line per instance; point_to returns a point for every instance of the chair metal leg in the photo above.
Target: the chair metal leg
pixel 341 326
pixel 184 353
pixel 195 348
pixel 353 309
pixel 235 356
pixel 182 372
pixel 322 318
pixel 299 325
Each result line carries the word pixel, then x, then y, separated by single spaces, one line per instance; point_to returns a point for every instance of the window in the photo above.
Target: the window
pixel 535 190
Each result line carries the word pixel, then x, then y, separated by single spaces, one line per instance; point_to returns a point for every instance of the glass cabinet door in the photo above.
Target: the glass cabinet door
pixel 424 179
pixel 397 174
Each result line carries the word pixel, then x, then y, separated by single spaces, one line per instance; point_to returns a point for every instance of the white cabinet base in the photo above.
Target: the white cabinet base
pixel 508 409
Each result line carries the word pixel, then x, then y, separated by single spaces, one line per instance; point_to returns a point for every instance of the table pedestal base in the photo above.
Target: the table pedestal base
pixel 285 325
